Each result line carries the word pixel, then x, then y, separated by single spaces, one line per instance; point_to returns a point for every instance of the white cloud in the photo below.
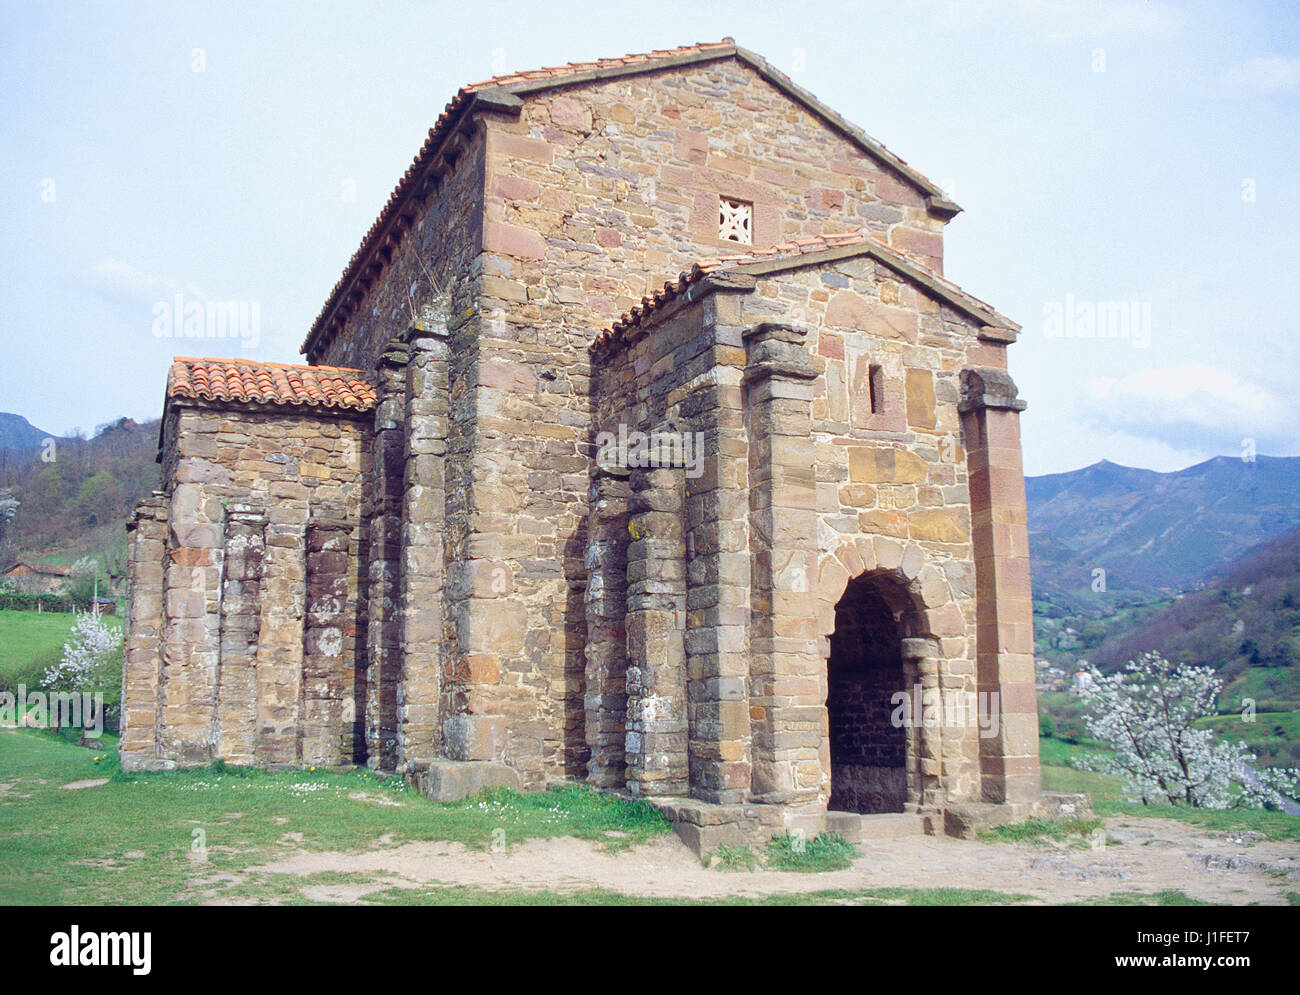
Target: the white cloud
pixel 1268 74
pixel 122 279
pixel 1190 407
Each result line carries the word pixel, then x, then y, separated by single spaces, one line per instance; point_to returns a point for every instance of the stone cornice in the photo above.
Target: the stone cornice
pixel 984 387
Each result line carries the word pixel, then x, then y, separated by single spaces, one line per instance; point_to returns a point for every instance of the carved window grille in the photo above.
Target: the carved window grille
pixel 735 221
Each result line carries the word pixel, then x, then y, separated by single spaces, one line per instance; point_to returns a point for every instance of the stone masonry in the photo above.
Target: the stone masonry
pixel 642 442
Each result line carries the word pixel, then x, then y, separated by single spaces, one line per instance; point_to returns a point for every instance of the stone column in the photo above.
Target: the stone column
pixel 241 622
pixel 279 642
pixel 655 622
pixel 190 651
pixel 605 693
pixel 717 595
pixel 990 410
pixel 787 688
pixel 925 745
pixel 142 663
pixel 321 711
pixel 383 499
pixel 422 559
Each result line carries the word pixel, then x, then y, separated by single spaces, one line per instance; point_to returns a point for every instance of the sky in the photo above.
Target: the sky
pixel 1127 169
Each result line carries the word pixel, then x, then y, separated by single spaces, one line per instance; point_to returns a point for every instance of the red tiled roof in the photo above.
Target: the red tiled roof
pixel 442 127
pixel 48 569
pixel 785 251
pixel 243 380
pixel 570 68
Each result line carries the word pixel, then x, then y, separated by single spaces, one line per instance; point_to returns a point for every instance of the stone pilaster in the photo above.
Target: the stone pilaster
pixel 927 761
pixel 606 648
pixel 423 568
pixel 279 644
pixel 323 680
pixel 142 663
pixel 190 633
pixel 717 594
pixel 990 411
pixel 787 687
pixel 383 511
pixel 241 622
pixel 656 730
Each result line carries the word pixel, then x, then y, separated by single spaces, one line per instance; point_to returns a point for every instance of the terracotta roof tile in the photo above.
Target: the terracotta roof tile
pixel 246 381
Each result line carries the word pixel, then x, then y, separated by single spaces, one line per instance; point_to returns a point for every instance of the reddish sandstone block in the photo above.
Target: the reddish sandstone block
pixel 512 241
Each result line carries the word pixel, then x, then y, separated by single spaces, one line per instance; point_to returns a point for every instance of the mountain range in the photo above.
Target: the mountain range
pixel 1152 533
pixel 16 432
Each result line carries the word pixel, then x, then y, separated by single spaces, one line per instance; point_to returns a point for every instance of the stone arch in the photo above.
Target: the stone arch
pixel 920 602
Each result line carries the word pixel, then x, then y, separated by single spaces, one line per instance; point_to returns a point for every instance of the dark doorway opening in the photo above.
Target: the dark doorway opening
pixel 865 671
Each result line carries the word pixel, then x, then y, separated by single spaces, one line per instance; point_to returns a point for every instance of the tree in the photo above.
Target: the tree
pixel 8 508
pixel 92 658
pixel 1146 714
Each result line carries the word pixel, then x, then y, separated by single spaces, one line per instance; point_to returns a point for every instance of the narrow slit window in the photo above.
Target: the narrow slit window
pixel 876 388
pixel 735 221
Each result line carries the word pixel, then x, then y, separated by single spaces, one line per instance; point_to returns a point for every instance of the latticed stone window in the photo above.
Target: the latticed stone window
pixel 735 221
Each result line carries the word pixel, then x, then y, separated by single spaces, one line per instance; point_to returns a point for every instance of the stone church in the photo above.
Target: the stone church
pixel 642 442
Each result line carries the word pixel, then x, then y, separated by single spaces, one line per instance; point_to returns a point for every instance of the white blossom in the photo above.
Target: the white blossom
pixel 1145 715
pixel 87 656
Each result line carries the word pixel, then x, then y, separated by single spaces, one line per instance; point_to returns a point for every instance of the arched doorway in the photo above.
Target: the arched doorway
pixel 870 752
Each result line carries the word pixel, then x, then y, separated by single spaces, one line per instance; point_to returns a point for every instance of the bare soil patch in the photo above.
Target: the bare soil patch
pixel 1154 855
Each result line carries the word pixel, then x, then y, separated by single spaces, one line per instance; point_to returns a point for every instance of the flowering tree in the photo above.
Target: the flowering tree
pixel 1145 713
pixel 92 658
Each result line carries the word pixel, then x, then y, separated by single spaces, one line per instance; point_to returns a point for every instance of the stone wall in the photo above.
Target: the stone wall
pixel 258 592
pixel 431 251
pixel 594 196
pixel 804 487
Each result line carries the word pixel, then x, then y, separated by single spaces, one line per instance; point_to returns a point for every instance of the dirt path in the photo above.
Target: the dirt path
pixel 1154 855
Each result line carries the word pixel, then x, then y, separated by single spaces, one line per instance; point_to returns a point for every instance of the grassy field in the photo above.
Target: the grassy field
pixel 32 641
pixel 130 841
pixel 133 839
pixel 1108 798
pixel 1274 737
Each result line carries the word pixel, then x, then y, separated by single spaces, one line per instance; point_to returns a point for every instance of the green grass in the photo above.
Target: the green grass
pixel 827 852
pixel 1042 831
pixel 1108 798
pixel 1274 737
pixel 1277 826
pixel 31 642
pixel 732 858
pixel 1171 897
pixel 462 895
pixel 1056 757
pixel 129 841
